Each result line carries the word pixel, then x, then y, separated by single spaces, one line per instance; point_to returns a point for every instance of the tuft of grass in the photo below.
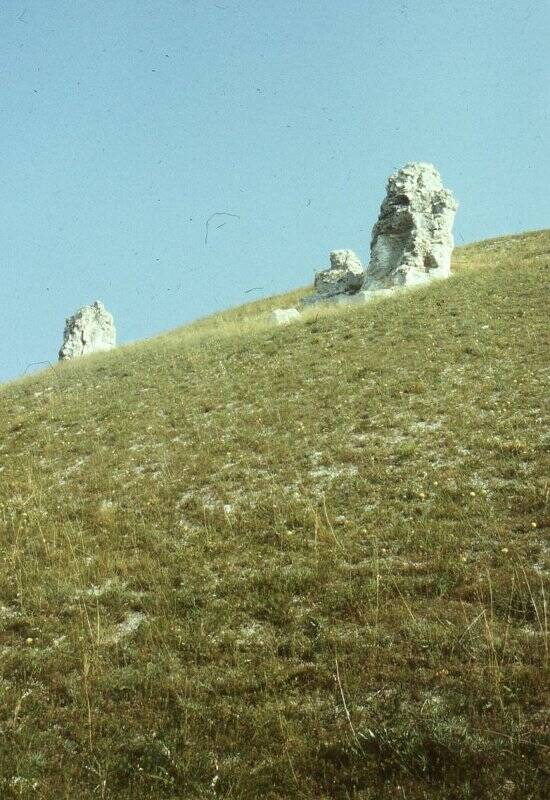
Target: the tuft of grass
pixel 244 561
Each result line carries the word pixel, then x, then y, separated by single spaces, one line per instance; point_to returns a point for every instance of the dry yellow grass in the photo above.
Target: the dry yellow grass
pixel 243 561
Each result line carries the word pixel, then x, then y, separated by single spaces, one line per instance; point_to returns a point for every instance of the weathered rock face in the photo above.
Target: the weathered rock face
pixel 90 330
pixel 412 240
pixel 345 276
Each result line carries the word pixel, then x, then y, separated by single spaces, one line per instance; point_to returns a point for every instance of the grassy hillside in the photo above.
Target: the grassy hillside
pixel 240 561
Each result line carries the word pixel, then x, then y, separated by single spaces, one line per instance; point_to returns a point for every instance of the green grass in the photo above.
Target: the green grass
pixel 241 561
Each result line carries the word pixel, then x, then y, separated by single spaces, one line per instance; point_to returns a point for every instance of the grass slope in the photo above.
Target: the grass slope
pixel 240 561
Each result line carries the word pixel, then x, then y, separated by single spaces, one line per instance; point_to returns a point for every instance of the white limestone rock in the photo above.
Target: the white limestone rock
pixel 282 316
pixel 362 297
pixel 90 330
pixel 345 277
pixel 412 240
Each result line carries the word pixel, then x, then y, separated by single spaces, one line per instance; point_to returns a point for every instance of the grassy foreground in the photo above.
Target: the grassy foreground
pixel 240 561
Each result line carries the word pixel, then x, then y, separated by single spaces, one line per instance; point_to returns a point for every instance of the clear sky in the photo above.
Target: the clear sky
pixel 125 125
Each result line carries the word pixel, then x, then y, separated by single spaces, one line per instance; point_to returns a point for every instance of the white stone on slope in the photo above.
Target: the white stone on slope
pixel 412 240
pixel 362 297
pixel 344 277
pixel 90 330
pixel 281 316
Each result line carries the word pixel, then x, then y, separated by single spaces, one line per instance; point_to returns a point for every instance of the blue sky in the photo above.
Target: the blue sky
pixel 125 125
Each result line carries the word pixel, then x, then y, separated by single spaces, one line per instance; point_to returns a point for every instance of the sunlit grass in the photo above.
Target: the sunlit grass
pixel 245 561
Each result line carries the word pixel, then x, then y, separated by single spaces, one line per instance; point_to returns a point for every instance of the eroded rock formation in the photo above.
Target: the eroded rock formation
pixel 412 240
pixel 345 276
pixel 90 330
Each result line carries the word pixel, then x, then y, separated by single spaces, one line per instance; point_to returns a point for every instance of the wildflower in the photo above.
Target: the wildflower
pixel 504 550
pixel 533 524
pixel 472 494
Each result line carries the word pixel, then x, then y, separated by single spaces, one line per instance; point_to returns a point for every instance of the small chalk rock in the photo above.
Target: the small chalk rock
pixel 282 316
pixel 89 330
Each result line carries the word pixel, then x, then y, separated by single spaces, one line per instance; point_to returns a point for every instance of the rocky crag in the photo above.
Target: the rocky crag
pixel 411 243
pixel 412 240
pixel 89 330
pixel 345 276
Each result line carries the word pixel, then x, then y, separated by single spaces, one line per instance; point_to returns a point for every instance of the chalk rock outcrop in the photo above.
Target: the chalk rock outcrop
pixel 282 316
pixel 90 330
pixel 412 240
pixel 345 276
